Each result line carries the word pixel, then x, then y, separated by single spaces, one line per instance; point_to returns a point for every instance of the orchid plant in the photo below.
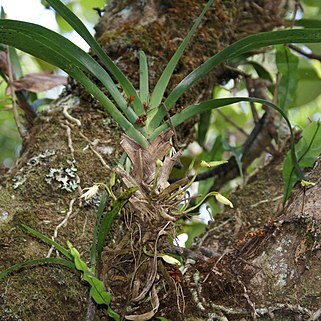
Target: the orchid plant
pixel 143 120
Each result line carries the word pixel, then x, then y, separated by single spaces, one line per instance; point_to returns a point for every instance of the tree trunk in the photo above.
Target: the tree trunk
pixel 269 274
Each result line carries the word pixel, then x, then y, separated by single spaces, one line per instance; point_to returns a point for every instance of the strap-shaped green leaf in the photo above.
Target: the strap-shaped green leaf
pixel 81 29
pixel 193 110
pixel 289 74
pixel 43 260
pixel 15 61
pixel 109 217
pixel 100 212
pixel 71 52
pixel 97 288
pixel 49 241
pixel 237 48
pixel 307 150
pixel 55 49
pixel 143 77
pixel 164 79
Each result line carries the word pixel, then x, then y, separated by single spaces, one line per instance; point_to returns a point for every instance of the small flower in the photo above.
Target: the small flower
pixel 306 183
pixel 159 163
pixel 112 179
pixel 91 191
pixel 222 199
pixel 211 164
pixel 170 260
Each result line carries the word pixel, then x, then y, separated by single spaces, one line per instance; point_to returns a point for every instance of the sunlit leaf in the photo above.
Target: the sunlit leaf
pixel 234 50
pixel 222 199
pixel 52 47
pixel 287 64
pixel 205 164
pixel 40 261
pixel 309 82
pixel 81 29
pixel 307 149
pixel 49 241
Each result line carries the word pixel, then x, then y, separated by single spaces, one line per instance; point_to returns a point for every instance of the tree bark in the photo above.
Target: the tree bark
pixel 271 274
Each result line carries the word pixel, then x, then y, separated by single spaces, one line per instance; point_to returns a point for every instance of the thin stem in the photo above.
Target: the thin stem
pixel 13 96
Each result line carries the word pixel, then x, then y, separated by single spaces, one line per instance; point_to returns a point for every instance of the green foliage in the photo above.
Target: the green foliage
pixel 97 287
pixel 159 90
pixel 287 64
pixel 106 221
pixel 9 138
pixel 308 149
pixel 309 82
pixel 192 229
pixel 43 260
pixel 48 46
pixel 74 261
pixel 81 29
pixel 143 78
pixel 49 241
pixel 59 51
pixel 234 50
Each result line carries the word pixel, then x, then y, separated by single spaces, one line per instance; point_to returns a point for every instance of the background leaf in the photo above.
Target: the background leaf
pixel 309 82
pixel 287 64
pixel 307 149
pixel 43 260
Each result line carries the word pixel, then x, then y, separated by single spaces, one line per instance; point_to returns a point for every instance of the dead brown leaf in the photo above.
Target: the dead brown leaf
pixel 38 82
pixel 4 63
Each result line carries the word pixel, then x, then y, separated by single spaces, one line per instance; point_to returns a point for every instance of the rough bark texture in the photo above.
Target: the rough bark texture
pixel 270 274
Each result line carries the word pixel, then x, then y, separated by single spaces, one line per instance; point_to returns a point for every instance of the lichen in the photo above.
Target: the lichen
pixel 64 178
pixel 32 162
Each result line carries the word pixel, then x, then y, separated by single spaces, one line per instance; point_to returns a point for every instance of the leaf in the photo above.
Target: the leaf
pixel 287 64
pixel 234 50
pixel 49 241
pixel 38 82
pixel 109 217
pixel 205 164
pixel 170 259
pixel 261 71
pixel 43 260
pixel 93 256
pixel 166 75
pixel 55 49
pixel 203 126
pixel 64 27
pixel 97 289
pixel 308 23
pixel 222 199
pixel 143 78
pixel 237 153
pixel 113 314
pixel 215 153
pixel 309 81
pixel 80 265
pixel 193 110
pixel 15 62
pixel 81 29
pixel 307 149
pixel 193 229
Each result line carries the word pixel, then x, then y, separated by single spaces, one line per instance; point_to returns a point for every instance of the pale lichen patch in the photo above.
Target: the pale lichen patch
pixel 4 216
pixel 64 178
pixel 106 150
pixel 32 163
